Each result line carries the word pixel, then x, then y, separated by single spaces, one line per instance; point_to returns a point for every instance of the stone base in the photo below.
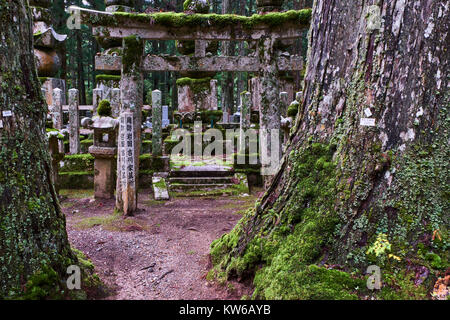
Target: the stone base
pixel 104 178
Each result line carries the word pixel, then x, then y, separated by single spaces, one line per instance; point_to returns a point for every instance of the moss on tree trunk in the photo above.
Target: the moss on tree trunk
pixel 343 187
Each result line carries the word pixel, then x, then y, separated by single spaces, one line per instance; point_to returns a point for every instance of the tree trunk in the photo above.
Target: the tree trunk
pixel 33 238
pixel 342 186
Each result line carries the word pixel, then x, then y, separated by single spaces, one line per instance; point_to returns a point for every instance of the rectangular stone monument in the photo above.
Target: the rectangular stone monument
pixel 165 116
pixel 225 118
pixel 213 95
pixel 156 124
pixel 57 114
pixel 127 165
pixel 74 124
pixel 245 120
pixel 115 102
pixel 284 103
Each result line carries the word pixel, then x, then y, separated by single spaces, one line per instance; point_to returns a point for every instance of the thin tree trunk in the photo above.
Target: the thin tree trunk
pixel 343 186
pixel 33 237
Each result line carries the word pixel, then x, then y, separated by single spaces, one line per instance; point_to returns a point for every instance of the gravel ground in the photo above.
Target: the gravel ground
pixel 161 252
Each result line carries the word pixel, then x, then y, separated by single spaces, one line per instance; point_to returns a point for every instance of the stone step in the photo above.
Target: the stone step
pixel 202 171
pixel 201 180
pixel 183 187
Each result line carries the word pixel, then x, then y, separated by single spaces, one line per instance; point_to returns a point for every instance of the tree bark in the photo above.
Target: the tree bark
pixel 33 238
pixel 342 186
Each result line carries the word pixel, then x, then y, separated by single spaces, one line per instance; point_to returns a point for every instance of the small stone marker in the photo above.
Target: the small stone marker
pixel 1 123
pixel 367 122
pixel 7 113
pixel 156 123
pixel 226 117
pixel 165 116
pixel 160 189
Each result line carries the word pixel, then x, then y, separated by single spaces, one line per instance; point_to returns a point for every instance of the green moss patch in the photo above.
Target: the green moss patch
pixel 78 163
pixel 179 20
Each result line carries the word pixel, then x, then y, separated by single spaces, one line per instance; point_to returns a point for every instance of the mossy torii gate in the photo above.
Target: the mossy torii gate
pixel 134 29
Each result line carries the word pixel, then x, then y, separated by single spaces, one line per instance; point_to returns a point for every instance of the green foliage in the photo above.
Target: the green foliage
pixel 104 108
pixel 106 77
pixel 400 285
pixel 196 6
pixel 78 162
pixel 44 284
pixel 293 110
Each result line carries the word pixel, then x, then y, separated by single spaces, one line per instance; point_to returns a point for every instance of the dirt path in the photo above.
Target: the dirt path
pixel 161 252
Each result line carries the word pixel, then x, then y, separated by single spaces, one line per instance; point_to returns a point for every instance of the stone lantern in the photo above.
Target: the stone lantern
pixel 104 150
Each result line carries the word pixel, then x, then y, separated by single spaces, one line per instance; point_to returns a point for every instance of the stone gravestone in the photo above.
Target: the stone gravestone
pixel 226 117
pixel 156 124
pixel 244 119
pixel 74 124
pixel 115 102
pixel 57 114
pixel 284 102
pixel 213 96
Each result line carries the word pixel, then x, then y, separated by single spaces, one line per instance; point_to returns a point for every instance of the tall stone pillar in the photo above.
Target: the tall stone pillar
pixel 270 121
pixel 131 95
pixel 245 120
pixel 74 122
pixel 115 102
pixel 57 113
pixel 156 124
